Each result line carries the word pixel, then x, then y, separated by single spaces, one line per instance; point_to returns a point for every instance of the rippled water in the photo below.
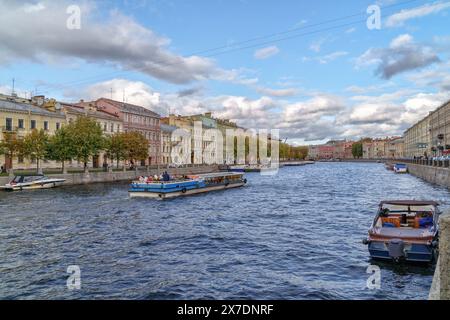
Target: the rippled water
pixel 296 235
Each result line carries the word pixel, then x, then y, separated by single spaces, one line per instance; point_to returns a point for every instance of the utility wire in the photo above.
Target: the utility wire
pixel 236 46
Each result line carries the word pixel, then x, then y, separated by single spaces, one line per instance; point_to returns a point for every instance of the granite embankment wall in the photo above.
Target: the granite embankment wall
pixel 440 175
pixel 440 289
pixel 432 174
pixel 97 177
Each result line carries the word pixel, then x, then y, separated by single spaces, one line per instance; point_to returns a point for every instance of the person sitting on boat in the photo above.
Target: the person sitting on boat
pixel 165 176
pixel 141 179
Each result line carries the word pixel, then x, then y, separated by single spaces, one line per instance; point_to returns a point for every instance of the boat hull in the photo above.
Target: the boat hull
pixel 413 252
pixel 187 192
pixel 34 186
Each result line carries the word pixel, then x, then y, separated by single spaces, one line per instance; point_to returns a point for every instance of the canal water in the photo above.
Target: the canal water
pixel 295 235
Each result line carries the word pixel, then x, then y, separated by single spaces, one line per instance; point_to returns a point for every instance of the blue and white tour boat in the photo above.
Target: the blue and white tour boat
pixel 188 185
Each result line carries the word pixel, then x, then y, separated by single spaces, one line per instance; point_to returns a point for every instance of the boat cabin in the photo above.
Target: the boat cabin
pixel 27 179
pixel 407 214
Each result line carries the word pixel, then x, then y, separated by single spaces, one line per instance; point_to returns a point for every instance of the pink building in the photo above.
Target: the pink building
pixel 135 118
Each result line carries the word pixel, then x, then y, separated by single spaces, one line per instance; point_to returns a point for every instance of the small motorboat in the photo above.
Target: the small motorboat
pixel 189 185
pixel 405 230
pixel 400 168
pixel 389 166
pixel 32 182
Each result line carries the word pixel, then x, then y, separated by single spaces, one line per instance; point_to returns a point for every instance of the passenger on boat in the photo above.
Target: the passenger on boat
pixel 165 176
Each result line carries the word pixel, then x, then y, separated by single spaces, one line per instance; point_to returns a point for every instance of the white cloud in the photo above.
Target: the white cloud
pixel 287 92
pixel 402 55
pixel 38 33
pixel 266 53
pixel 398 19
pixel 331 57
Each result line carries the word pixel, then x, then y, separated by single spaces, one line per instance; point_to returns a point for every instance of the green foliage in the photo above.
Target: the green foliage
pixel 11 145
pixel 357 150
pixel 35 145
pixel 293 153
pixel 61 146
pixel 115 147
pixel 135 146
pixel 87 137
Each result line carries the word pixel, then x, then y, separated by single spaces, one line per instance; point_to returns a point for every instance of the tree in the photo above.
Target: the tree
pixel 61 147
pixel 136 146
pixel 11 146
pixel 35 146
pixel 115 147
pixel 357 150
pixel 87 137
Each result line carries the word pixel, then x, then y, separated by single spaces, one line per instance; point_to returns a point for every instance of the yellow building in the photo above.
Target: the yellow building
pixel 396 148
pixel 21 116
pixel 440 130
pixel 418 139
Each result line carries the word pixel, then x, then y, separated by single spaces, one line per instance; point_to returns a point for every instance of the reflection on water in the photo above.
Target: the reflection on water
pixel 296 235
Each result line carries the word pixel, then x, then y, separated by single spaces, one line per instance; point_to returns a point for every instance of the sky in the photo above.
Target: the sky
pixel 313 69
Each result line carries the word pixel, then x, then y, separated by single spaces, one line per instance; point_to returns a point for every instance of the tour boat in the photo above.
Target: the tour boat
pixel 193 184
pixel 405 230
pixel 400 168
pixel 20 183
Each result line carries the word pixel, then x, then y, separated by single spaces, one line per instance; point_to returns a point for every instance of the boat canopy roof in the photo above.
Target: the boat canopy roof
pixel 410 203
pixel 220 174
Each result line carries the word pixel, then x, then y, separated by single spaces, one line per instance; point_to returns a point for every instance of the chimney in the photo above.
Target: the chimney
pixel 38 100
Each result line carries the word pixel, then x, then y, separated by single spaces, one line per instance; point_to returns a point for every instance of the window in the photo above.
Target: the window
pixel 112 127
pixel 58 126
pixel 118 128
pixel 105 127
pixel 20 124
pixel 46 125
pixel 33 124
pixel 8 124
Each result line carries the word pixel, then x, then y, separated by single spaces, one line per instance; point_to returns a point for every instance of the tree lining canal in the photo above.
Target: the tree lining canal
pixel 296 235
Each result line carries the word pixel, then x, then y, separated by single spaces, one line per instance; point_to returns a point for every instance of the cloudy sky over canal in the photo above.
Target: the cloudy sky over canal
pixel 312 69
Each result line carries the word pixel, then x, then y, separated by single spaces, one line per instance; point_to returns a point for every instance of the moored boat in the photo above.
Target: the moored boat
pixel 31 182
pixel 405 230
pixel 400 168
pixel 389 166
pixel 189 185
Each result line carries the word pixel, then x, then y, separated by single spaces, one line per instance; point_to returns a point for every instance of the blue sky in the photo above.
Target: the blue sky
pixel 331 79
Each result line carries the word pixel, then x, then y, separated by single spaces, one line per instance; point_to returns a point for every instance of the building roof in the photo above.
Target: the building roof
pixel 168 128
pixel 131 108
pixel 411 202
pixel 29 108
pixel 98 113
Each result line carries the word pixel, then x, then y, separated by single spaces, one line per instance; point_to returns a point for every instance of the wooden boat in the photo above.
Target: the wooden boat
pixel 194 184
pixel 32 182
pixel 400 168
pixel 405 230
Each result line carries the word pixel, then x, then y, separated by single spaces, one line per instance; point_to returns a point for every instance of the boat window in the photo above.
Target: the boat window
pixel 406 218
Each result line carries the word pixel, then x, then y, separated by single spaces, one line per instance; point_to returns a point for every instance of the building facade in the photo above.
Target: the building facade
pixel 417 140
pixel 110 125
pixel 135 119
pixel 166 143
pixel 21 116
pixel 396 148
